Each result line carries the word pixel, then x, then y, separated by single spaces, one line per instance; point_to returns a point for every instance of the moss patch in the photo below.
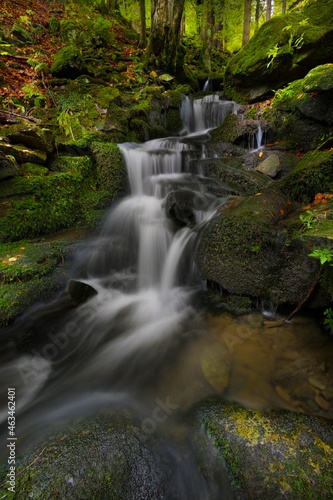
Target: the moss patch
pixel 313 174
pixel 277 454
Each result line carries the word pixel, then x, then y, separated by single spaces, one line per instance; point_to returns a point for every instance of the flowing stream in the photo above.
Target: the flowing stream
pixel 142 335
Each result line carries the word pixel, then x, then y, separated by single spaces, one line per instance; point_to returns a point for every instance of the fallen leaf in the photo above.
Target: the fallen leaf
pixel 12 259
pixel 4 262
pixel 258 194
pixel 307 207
pixel 281 211
pixel 319 196
pixel 22 248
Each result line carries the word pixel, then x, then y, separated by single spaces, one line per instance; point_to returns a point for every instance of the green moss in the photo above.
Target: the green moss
pixel 16 297
pixel 110 169
pixel 313 174
pixel 35 205
pixel 68 62
pixel 319 79
pixel 54 26
pixel 289 97
pixel 271 454
pixel 28 169
pixel 22 260
pixel 26 274
pixel 21 34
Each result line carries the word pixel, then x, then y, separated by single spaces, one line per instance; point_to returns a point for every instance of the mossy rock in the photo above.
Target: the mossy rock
pixel 110 169
pixel 54 26
pixel 313 174
pixel 283 49
pixel 245 251
pixel 25 274
pixel 68 63
pixel 34 205
pixel 32 136
pixel 275 454
pixel 31 169
pixel 22 154
pixel 21 34
pixel 310 95
pixel 8 166
pixel 229 173
pixel 319 79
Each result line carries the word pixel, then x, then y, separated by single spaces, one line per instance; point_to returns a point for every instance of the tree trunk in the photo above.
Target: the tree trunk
pixel 284 6
pixel 246 21
pixel 164 37
pixel 143 36
pixel 269 10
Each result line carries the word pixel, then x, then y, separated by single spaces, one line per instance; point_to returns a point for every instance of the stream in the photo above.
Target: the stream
pixel 143 334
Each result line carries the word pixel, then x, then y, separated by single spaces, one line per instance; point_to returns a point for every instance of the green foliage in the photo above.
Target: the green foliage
pixel 33 94
pixel 328 321
pixel 308 219
pixel 296 39
pixel 70 124
pixel 271 54
pixel 324 255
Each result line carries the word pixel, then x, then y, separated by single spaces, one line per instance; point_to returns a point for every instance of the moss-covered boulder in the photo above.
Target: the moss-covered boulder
pixel 21 34
pixel 31 271
pixel 284 48
pixel 276 454
pixel 229 172
pixel 244 250
pixel 22 154
pixel 36 204
pixel 8 166
pixel 313 174
pixel 31 136
pixel 301 113
pixel 68 63
pixel 110 170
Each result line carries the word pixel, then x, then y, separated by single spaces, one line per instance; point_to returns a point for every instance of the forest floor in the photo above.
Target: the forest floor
pixel 15 70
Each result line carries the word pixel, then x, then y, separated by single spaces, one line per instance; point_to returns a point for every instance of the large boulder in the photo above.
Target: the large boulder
pixel 276 454
pixel 245 251
pixel 284 48
pixel 112 456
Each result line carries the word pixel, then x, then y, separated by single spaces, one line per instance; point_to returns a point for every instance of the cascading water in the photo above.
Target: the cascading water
pixel 109 349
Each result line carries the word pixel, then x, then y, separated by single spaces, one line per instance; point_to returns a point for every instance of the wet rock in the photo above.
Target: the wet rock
pixel 316 382
pixel 111 456
pixel 215 365
pixel 322 403
pixel 244 253
pixel 180 206
pixel 8 166
pixel 80 291
pixel 270 166
pixel 270 454
pixel 234 178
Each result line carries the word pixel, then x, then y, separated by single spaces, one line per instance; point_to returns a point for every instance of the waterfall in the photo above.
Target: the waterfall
pixel 142 269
